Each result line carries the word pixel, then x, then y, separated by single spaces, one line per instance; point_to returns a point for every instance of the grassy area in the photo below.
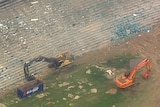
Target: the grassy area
pixel 74 89
pixel 121 61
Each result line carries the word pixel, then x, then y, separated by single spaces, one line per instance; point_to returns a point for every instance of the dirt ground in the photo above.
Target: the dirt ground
pixel 146 46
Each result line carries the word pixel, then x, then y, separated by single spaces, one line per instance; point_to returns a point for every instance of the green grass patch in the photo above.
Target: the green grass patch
pixel 79 84
pixel 121 61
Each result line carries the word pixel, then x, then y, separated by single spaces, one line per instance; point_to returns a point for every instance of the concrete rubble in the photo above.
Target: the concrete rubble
pixel 76 97
pixel 63 84
pixel 88 71
pixel 94 90
pixel 111 91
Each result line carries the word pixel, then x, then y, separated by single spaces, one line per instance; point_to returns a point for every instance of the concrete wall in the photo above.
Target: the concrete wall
pixel 47 27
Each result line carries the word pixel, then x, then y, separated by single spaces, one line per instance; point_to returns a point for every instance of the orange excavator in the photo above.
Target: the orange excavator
pixel 126 80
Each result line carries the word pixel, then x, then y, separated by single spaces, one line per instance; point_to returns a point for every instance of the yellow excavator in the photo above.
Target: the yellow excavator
pixel 59 61
pixel 126 80
pixel 64 59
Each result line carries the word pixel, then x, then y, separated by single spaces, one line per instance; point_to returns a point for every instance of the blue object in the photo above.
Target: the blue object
pixel 29 89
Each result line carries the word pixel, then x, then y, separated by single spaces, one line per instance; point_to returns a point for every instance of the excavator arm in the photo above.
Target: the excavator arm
pixel 30 77
pixel 59 61
pixel 124 81
pixel 140 65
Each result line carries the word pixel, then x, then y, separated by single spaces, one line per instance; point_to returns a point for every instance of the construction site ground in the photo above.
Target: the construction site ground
pixel 146 94
pixel 145 45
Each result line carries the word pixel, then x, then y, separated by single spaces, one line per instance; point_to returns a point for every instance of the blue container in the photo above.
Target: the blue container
pixel 30 88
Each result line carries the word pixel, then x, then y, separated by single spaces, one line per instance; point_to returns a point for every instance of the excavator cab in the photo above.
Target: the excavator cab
pixel 64 59
pixel 126 80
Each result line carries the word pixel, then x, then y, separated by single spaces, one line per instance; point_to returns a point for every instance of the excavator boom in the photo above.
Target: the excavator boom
pixel 124 81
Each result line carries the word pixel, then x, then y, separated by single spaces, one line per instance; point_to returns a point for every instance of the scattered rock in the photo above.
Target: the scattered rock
pixel 127 43
pixel 128 31
pixel 34 2
pixel 84 90
pixel 34 19
pixel 79 82
pixel 49 103
pixel 70 104
pixel 2 105
pixel 42 95
pixel 70 95
pixel 109 72
pixel 83 81
pixel 76 97
pixel 94 90
pixel 134 14
pixel 90 84
pixel 1 25
pixel 63 84
pixel 70 87
pixel 64 98
pixel 88 71
pixel 111 91
pixel 80 86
